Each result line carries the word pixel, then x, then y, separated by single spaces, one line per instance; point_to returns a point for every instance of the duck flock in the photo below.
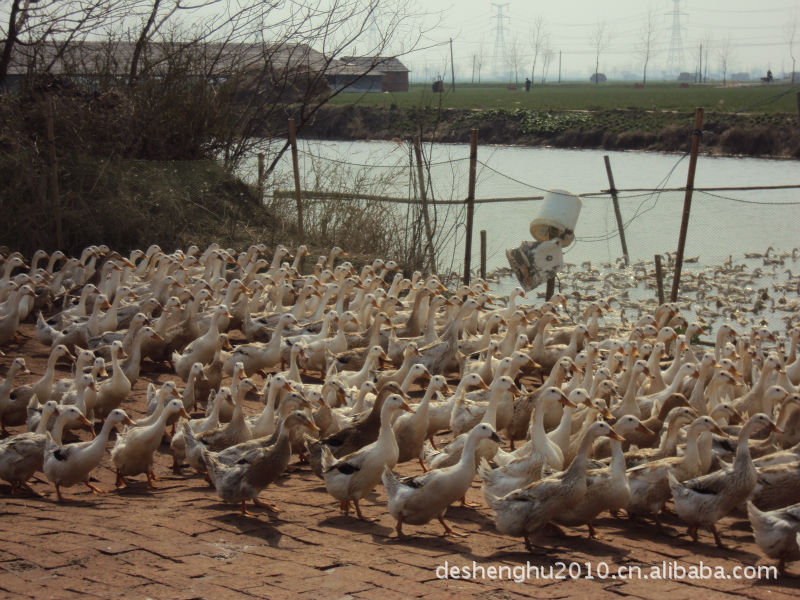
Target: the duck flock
pixel 561 419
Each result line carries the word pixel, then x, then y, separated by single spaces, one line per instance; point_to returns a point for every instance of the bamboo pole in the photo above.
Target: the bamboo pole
pixel 473 167
pixel 728 188
pixel 659 280
pixel 424 198
pixel 55 198
pixel 617 212
pixel 483 254
pixel 687 202
pixel 296 168
pixel 322 195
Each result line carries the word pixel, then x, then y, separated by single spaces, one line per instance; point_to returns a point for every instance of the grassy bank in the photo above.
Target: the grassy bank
pixel 751 120
pixel 125 203
pixel 756 98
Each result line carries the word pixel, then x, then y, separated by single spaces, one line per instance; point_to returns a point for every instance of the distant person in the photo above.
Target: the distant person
pixel 527 85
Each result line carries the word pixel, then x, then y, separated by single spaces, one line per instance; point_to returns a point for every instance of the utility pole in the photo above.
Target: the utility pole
pixel 499 58
pixel 675 56
pixel 700 72
pixel 452 68
pixel 559 66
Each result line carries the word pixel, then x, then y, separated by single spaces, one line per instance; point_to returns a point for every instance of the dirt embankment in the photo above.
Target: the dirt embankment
pixel 758 135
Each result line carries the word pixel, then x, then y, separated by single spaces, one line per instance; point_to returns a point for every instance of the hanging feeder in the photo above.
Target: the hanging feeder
pixel 553 229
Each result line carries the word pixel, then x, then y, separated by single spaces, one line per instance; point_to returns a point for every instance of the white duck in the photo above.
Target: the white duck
pixel 43 388
pixel 417 500
pixel 73 463
pixel 203 348
pixel 112 392
pixel 526 511
pixel 352 477
pixel 22 455
pixel 257 356
pixel 776 532
pixel 178 443
pixel 12 411
pixel 133 451
pixel 439 417
pixel 607 488
pixel 411 430
pixel 705 500
pixel 649 488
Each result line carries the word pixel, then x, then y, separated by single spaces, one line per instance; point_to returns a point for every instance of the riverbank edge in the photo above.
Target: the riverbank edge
pixel 724 134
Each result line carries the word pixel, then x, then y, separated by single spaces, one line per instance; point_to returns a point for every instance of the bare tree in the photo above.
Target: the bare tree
pixel 265 58
pixel 478 59
pixel 539 37
pixel 724 56
pixel 600 40
pixel 42 30
pixel 647 40
pixel 706 52
pixel 547 58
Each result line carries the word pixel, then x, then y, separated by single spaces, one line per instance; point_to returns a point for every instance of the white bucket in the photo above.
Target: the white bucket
pixel 559 210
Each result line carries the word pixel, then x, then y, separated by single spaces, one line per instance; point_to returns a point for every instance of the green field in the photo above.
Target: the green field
pixel 748 98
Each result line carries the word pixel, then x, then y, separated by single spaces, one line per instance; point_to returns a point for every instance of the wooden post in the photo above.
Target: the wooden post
pixel 617 212
pixel 687 202
pixel 452 68
pixel 55 199
pixel 659 280
pixel 551 288
pixel 473 164
pixel 296 168
pixel 261 170
pixel 483 254
pixel 423 195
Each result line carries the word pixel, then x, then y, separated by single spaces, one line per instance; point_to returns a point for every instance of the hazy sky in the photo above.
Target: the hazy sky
pixel 755 31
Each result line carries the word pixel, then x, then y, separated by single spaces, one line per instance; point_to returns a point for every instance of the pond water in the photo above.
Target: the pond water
pixel 722 224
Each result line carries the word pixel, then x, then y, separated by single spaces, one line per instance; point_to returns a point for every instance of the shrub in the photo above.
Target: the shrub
pixel 753 141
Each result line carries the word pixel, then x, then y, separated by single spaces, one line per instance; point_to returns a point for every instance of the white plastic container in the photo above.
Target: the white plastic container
pixel 560 211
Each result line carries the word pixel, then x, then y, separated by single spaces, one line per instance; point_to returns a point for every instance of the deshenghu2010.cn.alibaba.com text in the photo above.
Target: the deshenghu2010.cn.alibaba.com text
pixel 665 570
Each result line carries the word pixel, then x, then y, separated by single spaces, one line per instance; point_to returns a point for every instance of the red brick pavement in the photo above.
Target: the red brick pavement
pixel 180 541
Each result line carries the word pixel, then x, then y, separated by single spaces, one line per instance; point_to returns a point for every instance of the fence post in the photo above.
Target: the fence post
pixel 260 182
pixel 659 280
pixel 687 202
pixel 424 197
pixel 483 254
pixel 55 198
pixel 617 212
pixel 473 164
pixel 297 193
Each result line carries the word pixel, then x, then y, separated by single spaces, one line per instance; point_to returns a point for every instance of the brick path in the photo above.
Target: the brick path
pixel 181 542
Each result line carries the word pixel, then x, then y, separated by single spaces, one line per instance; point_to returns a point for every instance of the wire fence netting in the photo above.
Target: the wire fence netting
pixel 729 229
